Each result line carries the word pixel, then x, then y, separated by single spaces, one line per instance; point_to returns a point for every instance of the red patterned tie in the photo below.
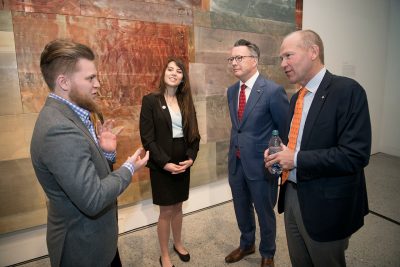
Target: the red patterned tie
pixel 294 128
pixel 242 101
pixel 242 104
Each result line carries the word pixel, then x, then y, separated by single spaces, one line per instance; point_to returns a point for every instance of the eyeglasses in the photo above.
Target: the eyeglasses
pixel 237 58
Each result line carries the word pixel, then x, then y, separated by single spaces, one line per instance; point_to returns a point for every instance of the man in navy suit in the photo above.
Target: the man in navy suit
pixel 257 106
pixel 324 198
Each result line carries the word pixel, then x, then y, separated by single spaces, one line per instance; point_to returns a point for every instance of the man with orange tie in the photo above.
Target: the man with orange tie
pixel 256 106
pixel 323 192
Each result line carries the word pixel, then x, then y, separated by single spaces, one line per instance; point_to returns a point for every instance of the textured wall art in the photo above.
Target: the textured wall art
pixel 132 40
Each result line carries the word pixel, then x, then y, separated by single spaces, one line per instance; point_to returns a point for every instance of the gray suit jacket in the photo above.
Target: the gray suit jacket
pixel 82 228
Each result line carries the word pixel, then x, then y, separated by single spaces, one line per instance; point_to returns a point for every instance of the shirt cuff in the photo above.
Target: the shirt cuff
pixel 130 167
pixel 110 155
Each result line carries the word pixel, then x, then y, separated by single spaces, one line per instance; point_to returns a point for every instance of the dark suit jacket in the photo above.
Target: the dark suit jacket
pixel 156 132
pixel 335 148
pixel 82 227
pixel 266 110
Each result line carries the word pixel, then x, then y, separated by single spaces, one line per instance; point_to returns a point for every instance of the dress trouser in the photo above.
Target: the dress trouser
pixel 262 194
pixel 303 250
pixel 116 261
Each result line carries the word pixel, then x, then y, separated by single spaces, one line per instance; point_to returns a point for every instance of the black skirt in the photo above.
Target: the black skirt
pixel 169 189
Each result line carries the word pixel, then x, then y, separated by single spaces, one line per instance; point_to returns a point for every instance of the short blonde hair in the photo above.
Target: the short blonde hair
pixel 60 57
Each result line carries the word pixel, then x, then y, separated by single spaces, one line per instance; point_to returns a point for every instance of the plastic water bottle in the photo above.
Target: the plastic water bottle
pixel 274 146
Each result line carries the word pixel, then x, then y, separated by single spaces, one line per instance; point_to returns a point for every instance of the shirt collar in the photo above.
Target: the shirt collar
pixel 250 82
pixel 82 113
pixel 314 83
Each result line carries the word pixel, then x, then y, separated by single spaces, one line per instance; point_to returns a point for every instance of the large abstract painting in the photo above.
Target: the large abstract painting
pixel 132 41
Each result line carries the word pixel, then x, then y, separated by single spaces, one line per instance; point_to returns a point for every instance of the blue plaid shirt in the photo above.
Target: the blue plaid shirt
pixel 84 115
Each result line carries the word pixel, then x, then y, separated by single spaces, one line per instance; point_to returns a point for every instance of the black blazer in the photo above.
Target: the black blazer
pixel 156 132
pixel 334 150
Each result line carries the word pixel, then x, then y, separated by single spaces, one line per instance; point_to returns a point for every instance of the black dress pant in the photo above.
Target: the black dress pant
pixel 116 262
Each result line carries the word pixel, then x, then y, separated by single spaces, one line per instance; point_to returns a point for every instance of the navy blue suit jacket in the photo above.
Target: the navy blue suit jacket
pixel 334 150
pixel 266 110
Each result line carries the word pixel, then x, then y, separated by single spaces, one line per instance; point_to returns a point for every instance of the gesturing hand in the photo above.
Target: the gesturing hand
pixel 137 161
pixel 107 135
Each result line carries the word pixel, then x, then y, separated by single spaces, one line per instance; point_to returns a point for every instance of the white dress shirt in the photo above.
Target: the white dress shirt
pixel 311 87
pixel 249 85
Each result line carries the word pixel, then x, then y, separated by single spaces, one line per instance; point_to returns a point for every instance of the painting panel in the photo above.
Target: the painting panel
pixel 279 10
pixel 218 119
pixel 213 45
pixel 132 39
pixel 70 7
pixel 130 54
pixel 130 57
pixel 176 12
pixel 10 97
pixel 23 202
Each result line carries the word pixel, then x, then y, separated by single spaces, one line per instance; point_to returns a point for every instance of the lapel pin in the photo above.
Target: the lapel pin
pixel 163 107
pixel 258 90
pixel 323 97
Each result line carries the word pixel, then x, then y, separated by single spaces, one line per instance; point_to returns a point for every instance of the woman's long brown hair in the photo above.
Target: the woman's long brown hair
pixel 185 101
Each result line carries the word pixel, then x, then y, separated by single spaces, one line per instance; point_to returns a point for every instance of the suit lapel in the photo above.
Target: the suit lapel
pixel 292 105
pixel 234 101
pixel 255 94
pixel 70 114
pixel 165 111
pixel 316 105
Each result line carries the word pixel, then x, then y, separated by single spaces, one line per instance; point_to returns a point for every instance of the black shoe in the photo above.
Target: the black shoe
pixel 161 263
pixel 183 257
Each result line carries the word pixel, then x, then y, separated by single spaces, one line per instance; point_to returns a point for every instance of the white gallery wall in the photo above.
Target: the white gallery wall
pixel 390 126
pixel 362 39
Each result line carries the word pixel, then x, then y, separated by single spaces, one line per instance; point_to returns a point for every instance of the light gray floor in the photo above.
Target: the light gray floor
pixel 212 233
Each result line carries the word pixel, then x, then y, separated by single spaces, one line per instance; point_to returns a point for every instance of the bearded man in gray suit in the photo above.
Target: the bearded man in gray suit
pixel 71 161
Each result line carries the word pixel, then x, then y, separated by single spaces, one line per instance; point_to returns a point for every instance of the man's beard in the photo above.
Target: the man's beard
pixel 83 101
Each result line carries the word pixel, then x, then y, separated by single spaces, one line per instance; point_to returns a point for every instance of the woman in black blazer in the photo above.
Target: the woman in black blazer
pixel 168 129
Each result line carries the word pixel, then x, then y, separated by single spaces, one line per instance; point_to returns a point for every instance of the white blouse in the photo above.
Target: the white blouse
pixel 176 118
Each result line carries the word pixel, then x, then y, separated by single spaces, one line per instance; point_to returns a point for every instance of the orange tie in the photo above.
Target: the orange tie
pixel 294 128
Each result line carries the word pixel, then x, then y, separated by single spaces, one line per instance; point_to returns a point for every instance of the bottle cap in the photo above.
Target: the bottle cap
pixel 275 132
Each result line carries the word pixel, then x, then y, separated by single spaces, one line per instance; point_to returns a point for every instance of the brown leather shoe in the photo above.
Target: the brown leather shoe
pixel 265 262
pixel 239 254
